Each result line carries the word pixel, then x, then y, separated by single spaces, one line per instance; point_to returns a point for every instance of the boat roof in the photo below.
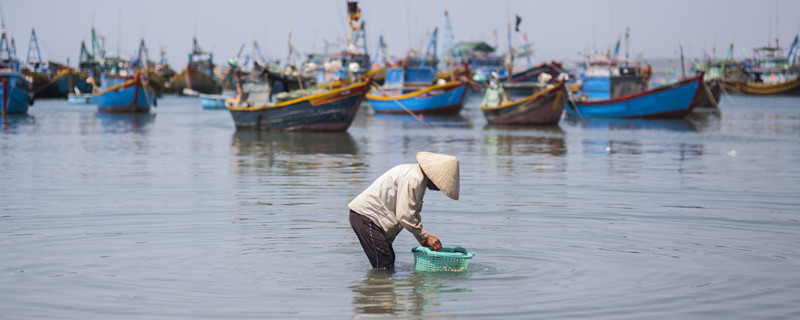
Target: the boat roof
pixel 477 46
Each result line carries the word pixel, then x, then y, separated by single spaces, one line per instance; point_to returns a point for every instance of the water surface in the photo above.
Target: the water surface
pixel 176 215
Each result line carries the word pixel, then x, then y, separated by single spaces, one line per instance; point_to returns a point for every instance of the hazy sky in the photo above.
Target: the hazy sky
pixel 558 29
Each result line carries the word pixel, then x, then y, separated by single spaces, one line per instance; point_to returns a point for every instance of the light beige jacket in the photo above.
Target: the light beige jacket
pixel 394 201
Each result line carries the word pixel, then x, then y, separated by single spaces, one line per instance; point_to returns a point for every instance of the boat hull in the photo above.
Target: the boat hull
pixel 15 92
pixel 41 86
pixel 542 108
pixel 711 89
pixel 213 101
pixel 672 101
pixel 197 80
pixel 129 97
pixel 66 81
pixel 791 87
pixel 443 99
pixel 329 111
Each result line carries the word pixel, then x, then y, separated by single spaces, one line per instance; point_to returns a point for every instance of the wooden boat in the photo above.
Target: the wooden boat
pixel 709 94
pixel 768 73
pixel 68 80
pixel 213 101
pixel 333 110
pixel 441 99
pixel 483 61
pixel 789 87
pixel 552 68
pixel 670 101
pixel 411 88
pixel 198 77
pixel 125 94
pixel 542 108
pixel 166 72
pixel 16 93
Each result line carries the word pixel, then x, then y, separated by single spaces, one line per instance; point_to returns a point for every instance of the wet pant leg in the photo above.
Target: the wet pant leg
pixel 379 251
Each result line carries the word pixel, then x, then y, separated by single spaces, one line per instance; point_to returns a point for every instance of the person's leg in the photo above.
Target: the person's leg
pixel 379 251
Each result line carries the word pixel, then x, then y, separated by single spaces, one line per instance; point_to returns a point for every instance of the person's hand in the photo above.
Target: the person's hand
pixel 434 243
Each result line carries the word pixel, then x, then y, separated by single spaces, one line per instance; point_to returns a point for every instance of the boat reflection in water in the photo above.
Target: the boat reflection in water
pixel 407 121
pixel 680 125
pixel 125 122
pixel 384 293
pixel 262 144
pixel 540 148
pixel 13 122
pixel 516 140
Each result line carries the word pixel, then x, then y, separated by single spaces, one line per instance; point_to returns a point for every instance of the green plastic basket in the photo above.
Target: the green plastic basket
pixel 448 259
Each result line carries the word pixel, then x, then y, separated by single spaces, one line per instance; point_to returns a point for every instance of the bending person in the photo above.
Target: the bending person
pixel 394 201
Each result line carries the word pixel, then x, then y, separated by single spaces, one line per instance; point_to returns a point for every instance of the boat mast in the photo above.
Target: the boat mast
pixel 34 45
pixel 431 44
pixel 627 45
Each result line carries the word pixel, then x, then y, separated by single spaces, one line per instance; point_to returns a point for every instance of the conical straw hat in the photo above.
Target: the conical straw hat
pixel 442 169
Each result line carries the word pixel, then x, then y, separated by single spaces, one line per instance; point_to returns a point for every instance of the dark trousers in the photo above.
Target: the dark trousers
pixel 379 251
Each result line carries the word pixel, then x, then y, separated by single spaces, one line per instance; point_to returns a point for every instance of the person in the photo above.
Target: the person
pixel 393 202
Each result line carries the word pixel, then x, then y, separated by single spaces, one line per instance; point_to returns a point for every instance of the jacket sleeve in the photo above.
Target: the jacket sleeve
pixel 408 206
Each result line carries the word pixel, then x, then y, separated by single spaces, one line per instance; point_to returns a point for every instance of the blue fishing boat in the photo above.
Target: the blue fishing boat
pixel 213 101
pixel 670 101
pixel 125 94
pixel 411 88
pixel 17 93
pixel 447 98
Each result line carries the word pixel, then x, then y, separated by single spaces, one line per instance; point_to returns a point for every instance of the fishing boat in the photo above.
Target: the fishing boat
pixel 213 101
pixel 411 88
pixel 347 66
pixel 768 73
pixel 17 94
pixel 332 110
pixel 198 77
pixel 166 72
pixel 51 79
pixel 125 94
pixel 483 60
pixel 670 101
pixel 715 71
pixel 541 108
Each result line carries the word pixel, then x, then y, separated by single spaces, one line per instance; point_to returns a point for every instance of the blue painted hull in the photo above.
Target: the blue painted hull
pixel 76 79
pixel 15 93
pixel 213 101
pixel 132 97
pixel 673 101
pixel 439 99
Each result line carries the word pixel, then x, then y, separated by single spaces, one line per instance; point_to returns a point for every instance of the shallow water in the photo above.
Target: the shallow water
pixel 176 215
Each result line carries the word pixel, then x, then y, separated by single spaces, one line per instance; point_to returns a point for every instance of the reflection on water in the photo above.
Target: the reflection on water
pixel 12 122
pixel 264 144
pixel 385 293
pixel 679 125
pixel 525 140
pixel 407 121
pixel 123 122
pixel 706 119
pixel 295 153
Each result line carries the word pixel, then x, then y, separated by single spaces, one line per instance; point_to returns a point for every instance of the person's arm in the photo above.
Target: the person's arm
pixel 408 206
